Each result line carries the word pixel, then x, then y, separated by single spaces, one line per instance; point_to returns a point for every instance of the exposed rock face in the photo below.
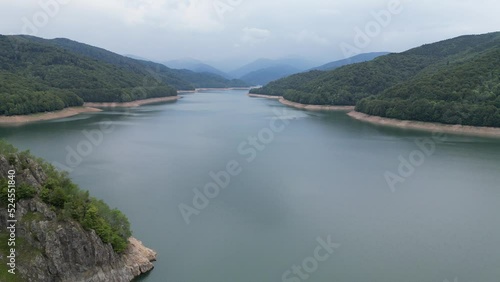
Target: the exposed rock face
pixel 54 250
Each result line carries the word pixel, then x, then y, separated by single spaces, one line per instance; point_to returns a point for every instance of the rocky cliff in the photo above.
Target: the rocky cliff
pixel 49 248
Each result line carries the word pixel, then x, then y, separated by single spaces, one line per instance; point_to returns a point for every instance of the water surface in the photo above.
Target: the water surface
pixel 323 175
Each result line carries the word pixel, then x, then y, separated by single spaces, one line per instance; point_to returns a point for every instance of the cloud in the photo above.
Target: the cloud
pixel 169 29
pixel 328 12
pixel 252 35
pixel 305 36
pixel 177 15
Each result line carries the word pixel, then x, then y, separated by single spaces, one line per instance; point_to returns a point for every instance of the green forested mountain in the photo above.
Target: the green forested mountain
pixel 454 81
pixel 466 92
pixel 348 84
pixel 179 79
pixel 38 77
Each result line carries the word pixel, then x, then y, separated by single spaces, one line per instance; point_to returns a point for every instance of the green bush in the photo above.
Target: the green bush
pixel 69 201
pixel 22 191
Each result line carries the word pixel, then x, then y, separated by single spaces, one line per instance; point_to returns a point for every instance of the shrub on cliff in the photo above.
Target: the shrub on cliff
pixel 66 198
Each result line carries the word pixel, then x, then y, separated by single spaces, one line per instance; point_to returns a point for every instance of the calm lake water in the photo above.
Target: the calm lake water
pixel 322 176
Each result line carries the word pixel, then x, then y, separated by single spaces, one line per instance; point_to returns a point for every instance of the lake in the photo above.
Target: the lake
pixel 311 196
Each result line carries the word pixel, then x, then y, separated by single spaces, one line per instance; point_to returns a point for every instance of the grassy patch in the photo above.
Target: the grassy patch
pixel 32 216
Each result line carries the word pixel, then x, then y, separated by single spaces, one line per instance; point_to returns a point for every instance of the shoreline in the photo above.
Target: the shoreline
pixel 316 107
pixel 428 126
pixel 405 124
pixel 64 113
pixel 304 106
pixel 209 89
pixel 73 111
pixel 137 258
pixel 227 88
pixel 131 104
pixel 264 96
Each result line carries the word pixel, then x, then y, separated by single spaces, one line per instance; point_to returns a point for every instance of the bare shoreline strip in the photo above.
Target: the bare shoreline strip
pixel 227 88
pixel 212 89
pixel 304 106
pixel 408 124
pixel 264 96
pixel 428 126
pixel 73 111
pixel 64 113
pixel 136 103
pixel 315 107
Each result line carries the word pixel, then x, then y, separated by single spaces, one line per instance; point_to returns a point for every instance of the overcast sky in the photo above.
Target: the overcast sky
pixel 243 30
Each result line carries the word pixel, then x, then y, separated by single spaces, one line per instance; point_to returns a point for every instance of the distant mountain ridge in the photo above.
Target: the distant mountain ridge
pixel 263 71
pixel 266 75
pixel 196 66
pixel 352 60
pixel 274 72
pixel 179 79
pixel 259 64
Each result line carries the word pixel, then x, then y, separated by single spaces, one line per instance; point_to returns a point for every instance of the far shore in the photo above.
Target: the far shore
pixel 408 124
pixel 227 88
pixel 73 111
pixel 23 119
pixel 304 106
pixel 316 107
pixel 264 96
pixel 209 89
pixel 428 126
pixel 131 104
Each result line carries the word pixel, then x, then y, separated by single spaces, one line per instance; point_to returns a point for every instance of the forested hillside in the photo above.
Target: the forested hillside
pixel 348 84
pixel 38 77
pixel 465 93
pixel 455 81
pixel 179 79
pixel 365 57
